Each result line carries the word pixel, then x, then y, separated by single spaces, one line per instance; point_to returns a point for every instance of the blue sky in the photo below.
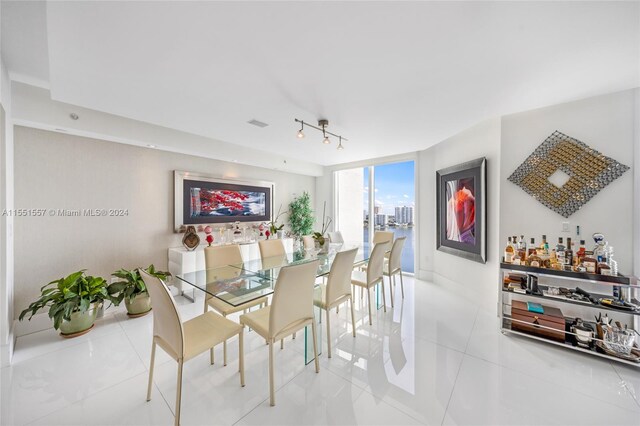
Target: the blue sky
pixel 394 186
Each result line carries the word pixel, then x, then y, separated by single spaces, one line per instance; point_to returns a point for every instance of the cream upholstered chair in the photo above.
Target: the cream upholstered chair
pixel 218 257
pixel 337 290
pixel 308 242
pixel 382 237
pixel 291 310
pixel 271 248
pixel 372 276
pixel 184 341
pixel 393 265
pixel 336 237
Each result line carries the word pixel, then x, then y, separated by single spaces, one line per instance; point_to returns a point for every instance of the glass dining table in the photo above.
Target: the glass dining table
pixel 244 282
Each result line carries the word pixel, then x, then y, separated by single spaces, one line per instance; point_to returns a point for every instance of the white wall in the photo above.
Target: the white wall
pixel 6 222
pixel 471 279
pixel 350 188
pixel 605 123
pixel 54 170
pixel 33 107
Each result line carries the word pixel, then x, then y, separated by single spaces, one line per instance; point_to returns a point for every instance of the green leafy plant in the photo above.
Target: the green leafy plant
pixel 326 222
pixel 131 284
pixel 74 293
pixel 274 227
pixel 301 215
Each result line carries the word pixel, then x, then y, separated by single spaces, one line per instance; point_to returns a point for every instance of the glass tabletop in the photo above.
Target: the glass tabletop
pixel 238 284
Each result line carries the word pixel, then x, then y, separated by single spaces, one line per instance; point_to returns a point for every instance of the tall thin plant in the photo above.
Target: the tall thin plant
pixel 301 215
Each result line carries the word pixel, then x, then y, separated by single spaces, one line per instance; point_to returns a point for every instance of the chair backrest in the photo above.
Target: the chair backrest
pixel 308 242
pixel 293 296
pixel 218 256
pixel 270 248
pixel 167 324
pixel 376 262
pixel 382 237
pixel 339 281
pixel 396 254
pixel 336 237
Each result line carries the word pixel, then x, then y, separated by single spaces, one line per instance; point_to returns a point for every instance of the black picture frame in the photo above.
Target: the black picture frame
pixel 470 172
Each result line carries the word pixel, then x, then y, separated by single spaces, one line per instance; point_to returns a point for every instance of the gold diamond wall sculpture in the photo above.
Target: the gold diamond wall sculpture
pixel 589 171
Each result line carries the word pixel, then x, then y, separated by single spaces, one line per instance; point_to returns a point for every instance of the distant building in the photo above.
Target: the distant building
pixel 376 209
pixel 380 220
pixel 404 215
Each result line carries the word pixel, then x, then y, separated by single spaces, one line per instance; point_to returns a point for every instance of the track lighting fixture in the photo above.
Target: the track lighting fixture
pixel 322 126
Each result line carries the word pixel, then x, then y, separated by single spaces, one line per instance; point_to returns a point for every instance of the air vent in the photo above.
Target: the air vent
pixel 257 123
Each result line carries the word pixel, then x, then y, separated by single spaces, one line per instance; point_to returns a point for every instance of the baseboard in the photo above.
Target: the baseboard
pixel 425 275
pixel 6 351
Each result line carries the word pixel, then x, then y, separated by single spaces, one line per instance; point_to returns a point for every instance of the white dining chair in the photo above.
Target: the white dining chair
pixel 336 237
pixel 337 290
pixel 271 248
pixel 217 257
pixel 372 276
pixel 393 266
pixel 291 310
pixel 184 341
pixel 382 237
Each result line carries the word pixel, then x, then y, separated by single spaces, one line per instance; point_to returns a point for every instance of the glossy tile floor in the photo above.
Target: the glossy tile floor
pixel 434 359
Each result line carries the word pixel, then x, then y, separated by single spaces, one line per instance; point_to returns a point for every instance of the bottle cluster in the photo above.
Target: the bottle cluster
pixel 564 256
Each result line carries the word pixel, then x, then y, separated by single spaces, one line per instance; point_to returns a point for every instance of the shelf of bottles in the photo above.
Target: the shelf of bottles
pixel 585 284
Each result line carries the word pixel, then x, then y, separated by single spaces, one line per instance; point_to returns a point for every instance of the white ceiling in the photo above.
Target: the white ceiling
pixel 391 77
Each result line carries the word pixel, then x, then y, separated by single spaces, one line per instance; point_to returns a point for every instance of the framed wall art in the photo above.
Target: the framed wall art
pixel 461 223
pixel 200 199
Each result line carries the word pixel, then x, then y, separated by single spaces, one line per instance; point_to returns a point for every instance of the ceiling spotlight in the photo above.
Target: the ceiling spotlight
pixel 340 147
pixel 322 127
pixel 73 116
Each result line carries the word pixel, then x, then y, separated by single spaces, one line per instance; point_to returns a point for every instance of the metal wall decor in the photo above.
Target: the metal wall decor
pixel 589 171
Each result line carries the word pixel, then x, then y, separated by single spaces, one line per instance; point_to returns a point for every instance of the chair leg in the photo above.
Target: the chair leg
pixel 384 297
pixel 179 391
pixel 337 309
pixel 153 361
pixel 294 335
pixel 391 287
pixel 281 343
pixel 241 355
pixel 224 346
pixel 272 396
pixel 315 344
pixel 328 334
pixel 401 284
pixel 353 317
pixel 369 305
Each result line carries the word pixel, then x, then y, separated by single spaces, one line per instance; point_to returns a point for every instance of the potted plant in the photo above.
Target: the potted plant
pixel 274 227
pixel 73 303
pixel 301 216
pixel 321 241
pixel 132 290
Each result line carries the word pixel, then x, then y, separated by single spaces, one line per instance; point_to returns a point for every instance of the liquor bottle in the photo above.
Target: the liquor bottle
pixel 532 247
pixel 589 262
pixel 568 254
pixel 522 249
pixel 541 248
pixel 560 251
pixel 581 252
pixel 509 252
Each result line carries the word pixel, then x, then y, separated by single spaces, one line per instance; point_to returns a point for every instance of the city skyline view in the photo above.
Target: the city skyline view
pixel 393 186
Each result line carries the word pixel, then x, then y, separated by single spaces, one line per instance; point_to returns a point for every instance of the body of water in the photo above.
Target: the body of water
pixel 409 245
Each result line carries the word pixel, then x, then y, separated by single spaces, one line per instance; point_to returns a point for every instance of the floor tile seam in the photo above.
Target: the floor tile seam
pixel 382 399
pixel 473 327
pixel 531 375
pixel 267 398
pixel 82 399
pixel 626 384
pixel 108 334
pixel 453 388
